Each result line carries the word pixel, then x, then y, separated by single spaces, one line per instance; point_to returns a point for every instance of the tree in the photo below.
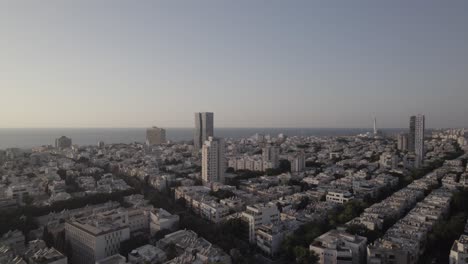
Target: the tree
pixel 62 173
pixel 47 237
pixel 128 245
pixel 171 251
pixel 28 200
pixel 284 166
pixel 303 204
pixel 305 256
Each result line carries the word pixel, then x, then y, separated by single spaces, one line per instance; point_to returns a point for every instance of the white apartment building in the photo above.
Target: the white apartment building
pixel 260 214
pixel 270 237
pixel 339 247
pixel 96 237
pixel 213 164
pixel 138 221
pixel 213 211
pixel 18 191
pixel 161 219
pixel 459 251
pixel 339 197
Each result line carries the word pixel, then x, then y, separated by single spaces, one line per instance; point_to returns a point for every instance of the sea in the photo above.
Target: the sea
pixel 26 138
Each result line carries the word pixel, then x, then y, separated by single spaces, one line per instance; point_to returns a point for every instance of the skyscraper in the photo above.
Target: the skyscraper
pixel 155 136
pixel 412 134
pixel 270 154
pixel 213 166
pixel 203 128
pixel 375 125
pixel 402 141
pixel 63 142
pixel 416 138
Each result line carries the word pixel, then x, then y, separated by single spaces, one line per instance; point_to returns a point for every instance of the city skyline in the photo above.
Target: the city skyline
pixel 302 64
pixel 340 132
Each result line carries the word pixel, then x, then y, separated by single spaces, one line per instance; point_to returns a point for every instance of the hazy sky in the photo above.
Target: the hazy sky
pixel 97 63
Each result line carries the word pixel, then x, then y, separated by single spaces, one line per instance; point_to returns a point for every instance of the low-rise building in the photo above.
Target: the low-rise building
pixel 260 214
pixel 339 197
pixel 147 254
pixel 161 219
pixel 336 247
pixel 96 237
pixel 14 240
pixel 459 251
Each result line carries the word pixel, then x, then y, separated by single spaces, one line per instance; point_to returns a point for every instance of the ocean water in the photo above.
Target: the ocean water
pixel 31 137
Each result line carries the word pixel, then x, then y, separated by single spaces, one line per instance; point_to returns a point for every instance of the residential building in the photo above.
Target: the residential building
pixel 14 240
pixel 388 160
pixel 260 214
pixel 402 141
pixel 270 155
pixel 63 143
pixel 155 136
pixel 298 162
pixel 48 256
pixel 270 237
pixel 339 247
pixel 192 249
pixel 459 251
pixel 160 219
pixel 213 163
pixel 147 254
pixel 340 197
pixel 213 211
pixel 203 128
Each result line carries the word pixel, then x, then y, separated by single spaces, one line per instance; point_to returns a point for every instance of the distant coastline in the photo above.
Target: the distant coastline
pixel 32 137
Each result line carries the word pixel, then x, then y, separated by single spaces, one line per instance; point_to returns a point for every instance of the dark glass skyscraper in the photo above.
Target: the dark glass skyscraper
pixel 203 128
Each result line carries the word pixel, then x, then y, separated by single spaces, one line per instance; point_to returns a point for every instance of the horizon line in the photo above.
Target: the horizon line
pixel 227 127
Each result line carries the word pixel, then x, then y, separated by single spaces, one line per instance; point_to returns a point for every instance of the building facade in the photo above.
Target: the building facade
pixel 63 142
pixel 155 136
pixel 213 163
pixel 402 141
pixel 260 214
pixel 416 140
pixel 204 126
pixel 95 238
pixel 336 247
pixel 270 155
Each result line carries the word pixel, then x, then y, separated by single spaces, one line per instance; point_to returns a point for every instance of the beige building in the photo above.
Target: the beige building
pixel 63 142
pixel 459 251
pixel 155 136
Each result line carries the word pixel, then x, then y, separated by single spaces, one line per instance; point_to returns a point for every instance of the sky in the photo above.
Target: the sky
pixel 254 63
